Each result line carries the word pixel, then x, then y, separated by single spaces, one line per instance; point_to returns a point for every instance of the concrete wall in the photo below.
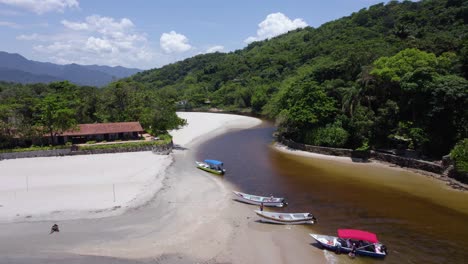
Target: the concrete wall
pixel 162 149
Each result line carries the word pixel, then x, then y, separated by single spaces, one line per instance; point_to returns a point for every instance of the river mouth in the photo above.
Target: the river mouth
pixel 419 218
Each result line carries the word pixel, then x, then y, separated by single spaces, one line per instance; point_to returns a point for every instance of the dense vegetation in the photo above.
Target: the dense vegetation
pixel 390 76
pixel 28 112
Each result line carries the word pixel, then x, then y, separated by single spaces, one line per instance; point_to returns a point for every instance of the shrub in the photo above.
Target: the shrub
pixel 91 142
pixel 459 155
pixel 166 140
pixel 332 135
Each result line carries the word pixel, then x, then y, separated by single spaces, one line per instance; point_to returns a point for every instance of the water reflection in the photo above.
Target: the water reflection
pixel 419 219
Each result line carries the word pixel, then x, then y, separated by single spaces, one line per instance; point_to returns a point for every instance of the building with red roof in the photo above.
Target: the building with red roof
pixel 101 131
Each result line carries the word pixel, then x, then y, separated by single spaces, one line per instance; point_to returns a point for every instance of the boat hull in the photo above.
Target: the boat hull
pixel 285 218
pixel 246 198
pixel 330 243
pixel 204 167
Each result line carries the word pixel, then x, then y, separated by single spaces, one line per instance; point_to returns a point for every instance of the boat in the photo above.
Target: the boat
pixel 286 218
pixel 213 166
pixel 258 200
pixel 363 243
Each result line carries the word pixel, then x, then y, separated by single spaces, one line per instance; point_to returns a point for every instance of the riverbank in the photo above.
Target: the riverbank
pixel 398 179
pixel 430 169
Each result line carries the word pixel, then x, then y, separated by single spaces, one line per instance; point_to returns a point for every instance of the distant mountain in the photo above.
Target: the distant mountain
pixel 11 75
pixel 16 68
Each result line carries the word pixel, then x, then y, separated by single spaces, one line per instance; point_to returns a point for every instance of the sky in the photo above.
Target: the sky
pixel 152 33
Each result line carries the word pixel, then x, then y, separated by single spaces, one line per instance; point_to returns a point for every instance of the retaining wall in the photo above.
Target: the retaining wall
pixel 160 149
pixel 400 161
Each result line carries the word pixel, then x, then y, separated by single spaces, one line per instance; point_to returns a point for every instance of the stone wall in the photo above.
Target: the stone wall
pixel 36 153
pixel 400 161
pixel 408 162
pixel 316 149
pixel 160 149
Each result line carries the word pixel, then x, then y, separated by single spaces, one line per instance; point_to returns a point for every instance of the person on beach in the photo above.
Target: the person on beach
pixel 54 228
pixel 261 206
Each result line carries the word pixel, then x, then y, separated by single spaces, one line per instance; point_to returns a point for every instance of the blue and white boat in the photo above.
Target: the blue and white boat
pixel 213 166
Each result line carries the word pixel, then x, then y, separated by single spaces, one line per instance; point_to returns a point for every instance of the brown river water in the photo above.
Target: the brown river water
pixel 418 218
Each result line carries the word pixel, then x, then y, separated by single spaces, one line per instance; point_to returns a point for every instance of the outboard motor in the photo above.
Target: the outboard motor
pixel 383 248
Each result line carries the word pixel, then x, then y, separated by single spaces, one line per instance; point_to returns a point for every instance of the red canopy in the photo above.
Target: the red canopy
pixel 358 235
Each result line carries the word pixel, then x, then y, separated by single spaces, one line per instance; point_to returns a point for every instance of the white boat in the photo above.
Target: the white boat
pixel 353 241
pixel 286 218
pixel 258 200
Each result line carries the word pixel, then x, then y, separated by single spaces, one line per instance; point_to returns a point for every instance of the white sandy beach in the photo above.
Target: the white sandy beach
pixel 96 185
pixel 185 215
pixel 77 186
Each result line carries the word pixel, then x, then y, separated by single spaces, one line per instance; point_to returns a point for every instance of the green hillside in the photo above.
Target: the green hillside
pixel 390 75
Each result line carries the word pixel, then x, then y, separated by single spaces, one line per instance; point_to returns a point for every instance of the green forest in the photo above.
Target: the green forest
pixel 28 112
pixel 389 76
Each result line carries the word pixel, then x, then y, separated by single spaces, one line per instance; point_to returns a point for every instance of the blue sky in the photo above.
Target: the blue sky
pixel 149 34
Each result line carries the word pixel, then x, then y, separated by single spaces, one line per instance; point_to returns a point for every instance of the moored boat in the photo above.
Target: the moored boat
pixel 258 200
pixel 353 241
pixel 213 166
pixel 286 218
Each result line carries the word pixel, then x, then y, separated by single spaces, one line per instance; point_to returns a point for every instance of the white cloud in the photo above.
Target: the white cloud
pixel 276 24
pixel 173 42
pixel 42 6
pixel 96 40
pixel 75 26
pixel 33 36
pixel 99 45
pixel 104 25
pixel 215 49
pixel 9 24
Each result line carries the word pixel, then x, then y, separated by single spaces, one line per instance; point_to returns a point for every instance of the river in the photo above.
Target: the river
pixel 418 218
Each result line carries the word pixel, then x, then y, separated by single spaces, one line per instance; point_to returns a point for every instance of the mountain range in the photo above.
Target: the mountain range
pixel 16 68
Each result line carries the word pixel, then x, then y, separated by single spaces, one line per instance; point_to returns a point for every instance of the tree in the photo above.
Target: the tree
pixel 332 135
pixel 304 104
pixel 55 115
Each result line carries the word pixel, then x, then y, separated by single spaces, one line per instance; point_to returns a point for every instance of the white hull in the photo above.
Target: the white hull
pixel 258 200
pixel 286 218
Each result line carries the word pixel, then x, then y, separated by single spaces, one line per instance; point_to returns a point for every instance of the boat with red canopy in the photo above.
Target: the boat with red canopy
pixel 358 242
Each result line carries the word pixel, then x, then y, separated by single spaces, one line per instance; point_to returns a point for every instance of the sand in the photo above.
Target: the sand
pixel 70 187
pixel 170 212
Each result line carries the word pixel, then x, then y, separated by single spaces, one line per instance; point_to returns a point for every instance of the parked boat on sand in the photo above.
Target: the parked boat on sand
pixel 213 166
pixel 286 218
pixel 365 243
pixel 258 200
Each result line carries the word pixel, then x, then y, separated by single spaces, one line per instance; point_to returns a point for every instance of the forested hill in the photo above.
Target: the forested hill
pixel 391 75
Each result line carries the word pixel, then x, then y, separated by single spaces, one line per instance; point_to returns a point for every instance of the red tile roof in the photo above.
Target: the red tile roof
pixel 104 128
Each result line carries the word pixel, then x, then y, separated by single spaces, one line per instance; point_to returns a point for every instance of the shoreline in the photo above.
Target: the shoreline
pixel 450 182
